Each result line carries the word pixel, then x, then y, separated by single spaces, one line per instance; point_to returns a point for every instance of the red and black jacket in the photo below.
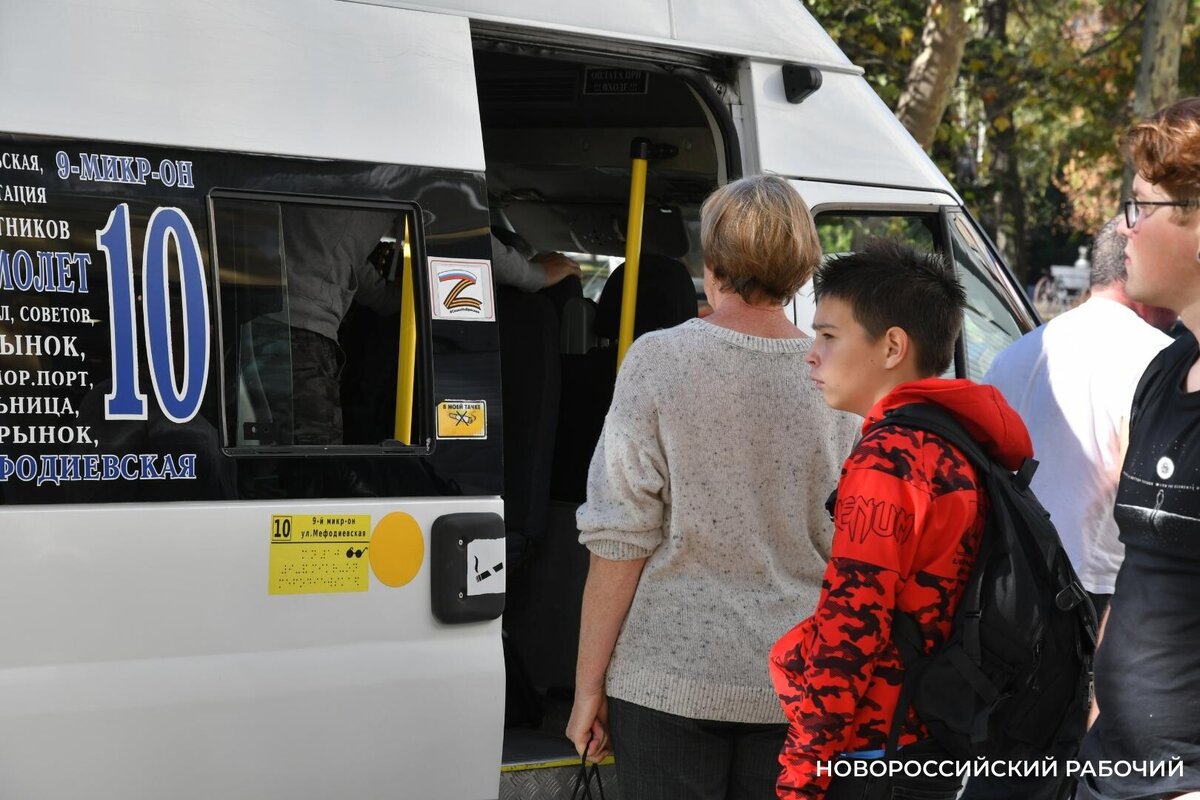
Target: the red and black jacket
pixel 907 523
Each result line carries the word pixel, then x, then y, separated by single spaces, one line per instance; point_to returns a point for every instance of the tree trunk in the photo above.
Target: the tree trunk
pixel 1007 215
pixel 934 71
pixel 1009 202
pixel 1158 71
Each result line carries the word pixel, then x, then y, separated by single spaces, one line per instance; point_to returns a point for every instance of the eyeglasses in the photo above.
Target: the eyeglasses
pixel 1133 207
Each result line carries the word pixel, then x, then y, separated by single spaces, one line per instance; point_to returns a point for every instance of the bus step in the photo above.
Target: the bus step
pixel 541 766
pixel 553 783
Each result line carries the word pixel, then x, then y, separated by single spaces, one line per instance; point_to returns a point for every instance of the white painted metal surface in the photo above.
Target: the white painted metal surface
pixel 289 77
pixel 144 658
pixel 818 195
pixel 781 30
pixel 841 132
pixel 828 196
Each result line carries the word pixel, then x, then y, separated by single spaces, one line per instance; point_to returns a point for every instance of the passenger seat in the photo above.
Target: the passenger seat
pixel 666 298
pixel 542 614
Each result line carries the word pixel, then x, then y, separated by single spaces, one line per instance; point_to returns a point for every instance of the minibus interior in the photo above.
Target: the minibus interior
pixel 557 135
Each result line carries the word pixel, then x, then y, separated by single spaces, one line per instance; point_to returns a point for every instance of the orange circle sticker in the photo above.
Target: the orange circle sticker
pixel 397 549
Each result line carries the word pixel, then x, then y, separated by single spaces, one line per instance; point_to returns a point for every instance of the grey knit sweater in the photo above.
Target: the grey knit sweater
pixel 715 461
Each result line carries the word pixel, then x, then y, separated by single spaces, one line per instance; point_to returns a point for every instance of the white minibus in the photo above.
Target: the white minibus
pixel 288 469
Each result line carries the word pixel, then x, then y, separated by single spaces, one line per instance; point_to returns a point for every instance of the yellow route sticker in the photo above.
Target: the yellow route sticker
pixel 462 419
pixel 319 553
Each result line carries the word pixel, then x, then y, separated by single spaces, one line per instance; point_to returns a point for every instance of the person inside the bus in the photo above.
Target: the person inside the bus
pixel 516 264
pixel 328 268
pixel 705 519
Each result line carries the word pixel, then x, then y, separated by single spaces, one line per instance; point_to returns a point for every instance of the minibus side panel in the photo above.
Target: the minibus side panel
pixel 178 649
pixel 144 658
pixel 298 77
pixel 256 620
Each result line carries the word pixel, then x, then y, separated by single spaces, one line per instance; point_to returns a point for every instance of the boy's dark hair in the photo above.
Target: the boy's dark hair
pixel 889 284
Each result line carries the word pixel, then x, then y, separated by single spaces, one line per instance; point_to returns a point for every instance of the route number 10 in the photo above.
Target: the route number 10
pixel 167 227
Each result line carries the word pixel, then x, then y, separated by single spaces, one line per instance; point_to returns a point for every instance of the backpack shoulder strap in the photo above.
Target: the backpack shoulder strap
pixel 935 419
pixel 906 633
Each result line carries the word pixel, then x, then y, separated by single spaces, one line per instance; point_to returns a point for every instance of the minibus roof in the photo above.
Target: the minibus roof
pixel 393 81
pixel 781 30
pixel 844 132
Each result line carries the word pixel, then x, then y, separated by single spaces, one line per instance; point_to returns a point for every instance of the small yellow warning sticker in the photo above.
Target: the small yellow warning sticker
pixel 319 553
pixel 462 419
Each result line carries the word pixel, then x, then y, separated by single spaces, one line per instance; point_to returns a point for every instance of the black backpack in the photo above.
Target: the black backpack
pixel 1011 681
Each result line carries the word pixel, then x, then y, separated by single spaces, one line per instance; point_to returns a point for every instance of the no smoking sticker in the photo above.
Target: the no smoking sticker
pixel 462 419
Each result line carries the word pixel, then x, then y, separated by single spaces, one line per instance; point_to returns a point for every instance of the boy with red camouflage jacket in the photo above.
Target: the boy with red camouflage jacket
pixel 908 519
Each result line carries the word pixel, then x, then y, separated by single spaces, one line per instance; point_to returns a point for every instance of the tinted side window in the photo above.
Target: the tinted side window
pixel 845 231
pixel 994 319
pixel 312 326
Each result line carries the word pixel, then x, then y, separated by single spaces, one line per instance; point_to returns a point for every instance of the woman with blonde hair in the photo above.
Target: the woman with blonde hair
pixel 705 518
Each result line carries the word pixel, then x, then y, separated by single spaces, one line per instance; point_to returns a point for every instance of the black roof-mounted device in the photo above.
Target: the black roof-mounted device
pixel 799 81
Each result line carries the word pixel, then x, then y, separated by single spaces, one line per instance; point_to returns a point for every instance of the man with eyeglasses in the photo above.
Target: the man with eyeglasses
pixel 1072 381
pixel 1134 208
pixel 1149 658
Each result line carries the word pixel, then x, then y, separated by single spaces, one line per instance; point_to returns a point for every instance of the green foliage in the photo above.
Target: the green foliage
pixel 881 37
pixel 1057 82
pixel 848 234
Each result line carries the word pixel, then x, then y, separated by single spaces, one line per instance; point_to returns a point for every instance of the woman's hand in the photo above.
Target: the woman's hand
pixel 607 596
pixel 588 726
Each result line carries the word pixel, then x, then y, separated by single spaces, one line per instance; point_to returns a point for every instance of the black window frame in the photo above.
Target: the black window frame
pixel 994 273
pixel 424 421
pixel 939 219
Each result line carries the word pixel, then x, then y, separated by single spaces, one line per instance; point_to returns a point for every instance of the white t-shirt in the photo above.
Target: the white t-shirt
pixel 1072 381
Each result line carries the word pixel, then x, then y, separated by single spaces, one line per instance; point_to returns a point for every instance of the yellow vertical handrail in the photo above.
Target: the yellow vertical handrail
pixel 406 366
pixel 640 153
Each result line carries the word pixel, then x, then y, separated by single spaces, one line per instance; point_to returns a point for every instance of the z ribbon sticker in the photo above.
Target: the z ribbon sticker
pixel 462 289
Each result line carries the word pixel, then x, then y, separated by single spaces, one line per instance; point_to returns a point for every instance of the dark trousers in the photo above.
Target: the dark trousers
pixel 1038 788
pixel 300 371
pixel 900 786
pixel 662 756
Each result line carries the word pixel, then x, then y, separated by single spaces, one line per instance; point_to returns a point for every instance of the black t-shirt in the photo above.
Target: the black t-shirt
pixel 1148 666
